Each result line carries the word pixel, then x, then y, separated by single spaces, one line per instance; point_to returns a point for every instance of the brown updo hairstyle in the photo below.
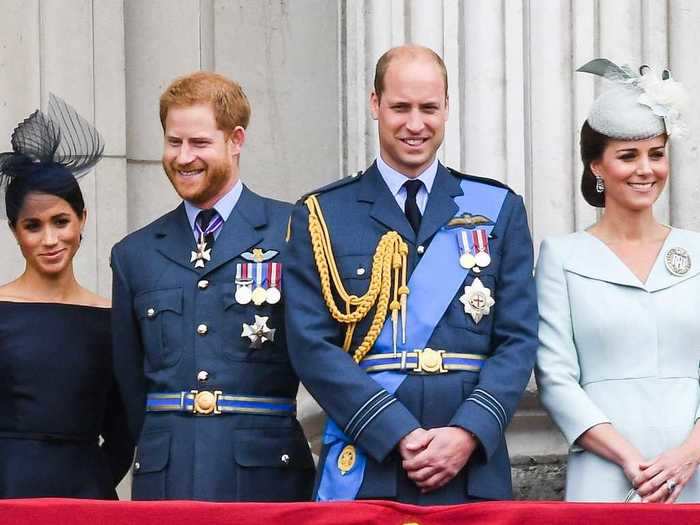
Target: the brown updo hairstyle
pixel 592 147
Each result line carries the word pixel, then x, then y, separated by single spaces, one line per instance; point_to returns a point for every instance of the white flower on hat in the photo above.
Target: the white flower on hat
pixel 666 98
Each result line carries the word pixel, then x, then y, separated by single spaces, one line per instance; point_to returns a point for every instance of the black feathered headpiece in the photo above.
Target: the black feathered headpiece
pixel 62 143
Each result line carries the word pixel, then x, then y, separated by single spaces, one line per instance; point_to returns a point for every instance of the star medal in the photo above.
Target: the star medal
pixel 258 332
pixel 244 283
pixel 477 300
pixel 677 261
pixel 466 259
pixel 274 278
pixel 202 254
pixel 259 294
pixel 480 239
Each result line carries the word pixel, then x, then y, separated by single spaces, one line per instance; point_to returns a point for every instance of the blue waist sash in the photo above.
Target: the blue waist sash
pixel 411 362
pixel 216 402
pixel 440 259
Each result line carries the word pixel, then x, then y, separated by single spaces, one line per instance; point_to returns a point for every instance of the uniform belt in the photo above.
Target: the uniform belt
pixel 215 402
pixel 423 361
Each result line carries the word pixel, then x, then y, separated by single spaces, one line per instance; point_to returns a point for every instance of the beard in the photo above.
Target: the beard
pixel 202 188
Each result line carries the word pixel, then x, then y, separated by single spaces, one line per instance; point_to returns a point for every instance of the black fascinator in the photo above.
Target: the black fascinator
pixel 49 152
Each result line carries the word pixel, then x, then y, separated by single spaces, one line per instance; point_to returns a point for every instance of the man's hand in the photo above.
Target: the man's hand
pixel 413 443
pixel 448 450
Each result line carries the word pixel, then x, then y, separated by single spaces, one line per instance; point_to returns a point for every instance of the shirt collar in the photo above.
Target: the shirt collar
pixel 395 179
pixel 224 206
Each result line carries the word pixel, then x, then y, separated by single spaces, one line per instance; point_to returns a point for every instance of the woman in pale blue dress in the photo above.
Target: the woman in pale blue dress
pixel 617 367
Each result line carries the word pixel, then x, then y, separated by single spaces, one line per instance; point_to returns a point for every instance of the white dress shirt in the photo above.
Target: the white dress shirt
pixel 224 207
pixel 395 181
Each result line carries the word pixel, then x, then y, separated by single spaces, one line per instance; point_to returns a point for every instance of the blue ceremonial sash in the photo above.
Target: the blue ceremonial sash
pixel 440 259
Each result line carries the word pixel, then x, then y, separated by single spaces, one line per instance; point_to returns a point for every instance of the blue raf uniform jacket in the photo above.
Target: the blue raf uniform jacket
pixel 358 211
pixel 160 305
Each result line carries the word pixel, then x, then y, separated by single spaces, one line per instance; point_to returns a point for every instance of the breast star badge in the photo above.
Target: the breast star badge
pixel 258 332
pixel 477 300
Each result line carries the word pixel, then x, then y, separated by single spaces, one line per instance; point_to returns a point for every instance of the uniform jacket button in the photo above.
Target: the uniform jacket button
pixel 150 312
pixel 285 459
pixel 420 249
pixel 202 376
pixel 360 271
pixel 137 466
pixel 202 285
pixel 202 329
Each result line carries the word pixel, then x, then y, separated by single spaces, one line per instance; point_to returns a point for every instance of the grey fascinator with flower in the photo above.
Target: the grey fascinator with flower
pixel 638 105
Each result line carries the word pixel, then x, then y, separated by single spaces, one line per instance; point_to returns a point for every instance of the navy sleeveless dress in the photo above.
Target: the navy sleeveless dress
pixel 62 426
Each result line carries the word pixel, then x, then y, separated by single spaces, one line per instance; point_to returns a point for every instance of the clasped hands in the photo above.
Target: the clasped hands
pixel 431 458
pixel 661 479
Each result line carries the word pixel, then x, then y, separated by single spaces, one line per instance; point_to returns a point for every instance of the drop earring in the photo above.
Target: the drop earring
pixel 599 184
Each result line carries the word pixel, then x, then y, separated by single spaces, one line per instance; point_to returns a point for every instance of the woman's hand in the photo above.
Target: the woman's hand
pixel 661 479
pixel 631 467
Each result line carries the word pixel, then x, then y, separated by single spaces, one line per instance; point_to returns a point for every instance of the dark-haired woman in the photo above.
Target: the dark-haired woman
pixel 618 363
pixel 62 427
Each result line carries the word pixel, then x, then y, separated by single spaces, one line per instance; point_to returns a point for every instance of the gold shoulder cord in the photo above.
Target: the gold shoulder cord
pixel 388 264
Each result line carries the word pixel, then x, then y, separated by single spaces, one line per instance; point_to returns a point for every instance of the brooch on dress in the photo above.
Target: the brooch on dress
pixel 677 261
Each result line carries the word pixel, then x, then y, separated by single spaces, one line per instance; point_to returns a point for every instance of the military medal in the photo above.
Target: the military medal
pixel 466 259
pixel 258 332
pixel 481 244
pixel 477 300
pixel 273 295
pixel 202 255
pixel 244 283
pixel 346 459
pixel 677 261
pixel 259 295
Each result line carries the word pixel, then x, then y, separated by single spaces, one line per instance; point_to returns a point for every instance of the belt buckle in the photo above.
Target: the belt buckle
pixel 206 402
pixel 429 361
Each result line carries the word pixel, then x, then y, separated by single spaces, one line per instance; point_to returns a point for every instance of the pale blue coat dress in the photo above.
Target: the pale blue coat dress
pixel 614 349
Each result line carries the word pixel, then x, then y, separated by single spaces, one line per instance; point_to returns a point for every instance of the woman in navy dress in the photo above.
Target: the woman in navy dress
pixel 62 426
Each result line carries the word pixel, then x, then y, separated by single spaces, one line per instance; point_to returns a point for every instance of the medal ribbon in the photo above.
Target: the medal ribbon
pixel 432 301
pixel 272 275
pixel 481 239
pixel 211 228
pixel 258 275
pixel 463 241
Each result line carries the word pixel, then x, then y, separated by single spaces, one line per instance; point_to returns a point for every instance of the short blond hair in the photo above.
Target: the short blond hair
pixel 230 104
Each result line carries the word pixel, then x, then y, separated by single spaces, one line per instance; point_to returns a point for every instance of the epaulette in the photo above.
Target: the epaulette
pixel 483 180
pixel 335 184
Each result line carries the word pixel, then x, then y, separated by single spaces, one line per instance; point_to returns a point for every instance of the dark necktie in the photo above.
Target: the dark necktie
pixel 411 209
pixel 206 220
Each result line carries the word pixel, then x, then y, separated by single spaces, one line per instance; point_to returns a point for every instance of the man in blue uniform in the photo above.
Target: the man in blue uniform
pixel 198 322
pixel 412 316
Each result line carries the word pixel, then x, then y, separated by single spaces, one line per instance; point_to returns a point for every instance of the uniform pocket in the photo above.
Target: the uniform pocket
pixel 272 465
pixel 152 457
pixel 160 316
pixel 355 271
